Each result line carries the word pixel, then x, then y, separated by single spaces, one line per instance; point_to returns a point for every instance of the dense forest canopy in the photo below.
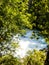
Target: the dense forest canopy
pixel 17 15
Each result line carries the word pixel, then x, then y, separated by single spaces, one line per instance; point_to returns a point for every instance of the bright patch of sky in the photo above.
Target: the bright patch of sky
pixel 26 43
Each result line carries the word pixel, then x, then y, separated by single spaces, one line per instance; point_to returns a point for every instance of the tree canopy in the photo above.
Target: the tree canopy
pixel 15 17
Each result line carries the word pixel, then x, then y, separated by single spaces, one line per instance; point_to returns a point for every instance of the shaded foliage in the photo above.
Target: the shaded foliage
pixel 39 11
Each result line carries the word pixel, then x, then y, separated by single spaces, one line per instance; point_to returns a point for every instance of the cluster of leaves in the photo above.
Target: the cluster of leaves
pixel 39 10
pixel 9 60
pixel 35 58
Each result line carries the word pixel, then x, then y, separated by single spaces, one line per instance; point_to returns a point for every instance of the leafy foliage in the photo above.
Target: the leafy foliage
pixel 15 17
pixel 9 60
pixel 35 58
pixel 39 11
